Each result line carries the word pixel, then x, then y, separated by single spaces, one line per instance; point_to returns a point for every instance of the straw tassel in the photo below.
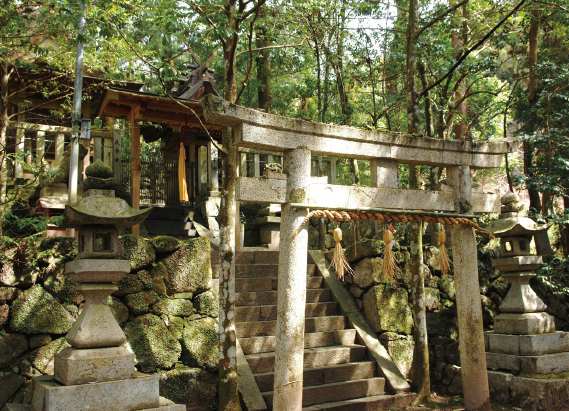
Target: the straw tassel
pixel 443 258
pixel 339 261
pixel 389 265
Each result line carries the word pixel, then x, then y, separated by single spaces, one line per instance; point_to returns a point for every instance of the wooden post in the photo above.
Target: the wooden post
pixel 40 147
pixel 117 141
pixel 242 164
pixel 333 172
pixel 59 145
pixel 135 165
pixel 213 164
pixel 289 350
pixel 20 147
pixel 28 149
pixel 87 159
pixel 192 175
pixel 256 166
pixel 471 330
pixel 202 170
pixel 97 149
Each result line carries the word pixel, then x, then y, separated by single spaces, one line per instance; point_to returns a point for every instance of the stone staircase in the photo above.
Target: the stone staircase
pixel 339 374
pixel 175 221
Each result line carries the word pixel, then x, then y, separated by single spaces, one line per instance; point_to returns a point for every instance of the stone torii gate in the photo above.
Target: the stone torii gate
pixel 299 140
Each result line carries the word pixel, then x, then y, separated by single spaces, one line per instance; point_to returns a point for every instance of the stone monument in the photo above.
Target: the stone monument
pixel 524 347
pixel 97 372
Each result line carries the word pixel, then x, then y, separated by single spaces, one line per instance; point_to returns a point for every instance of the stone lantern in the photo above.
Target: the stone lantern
pixel 97 372
pixel 524 341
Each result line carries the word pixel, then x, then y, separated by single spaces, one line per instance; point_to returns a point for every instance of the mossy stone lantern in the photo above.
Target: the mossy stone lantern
pixel 522 310
pixel 98 216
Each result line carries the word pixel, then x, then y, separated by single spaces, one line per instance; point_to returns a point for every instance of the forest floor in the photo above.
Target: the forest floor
pixel 453 403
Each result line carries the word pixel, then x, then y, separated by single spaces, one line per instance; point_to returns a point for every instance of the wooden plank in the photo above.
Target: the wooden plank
pixel 262 190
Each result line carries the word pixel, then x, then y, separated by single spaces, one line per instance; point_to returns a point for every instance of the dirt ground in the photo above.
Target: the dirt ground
pixel 453 403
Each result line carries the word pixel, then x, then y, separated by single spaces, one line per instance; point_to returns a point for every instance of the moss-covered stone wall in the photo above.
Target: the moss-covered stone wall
pixel 165 306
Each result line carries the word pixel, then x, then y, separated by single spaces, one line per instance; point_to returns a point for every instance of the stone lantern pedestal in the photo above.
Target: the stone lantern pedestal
pixel 526 357
pixel 97 372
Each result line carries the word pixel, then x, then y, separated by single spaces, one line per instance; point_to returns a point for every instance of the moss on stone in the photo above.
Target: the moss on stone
pixel 175 326
pixel 8 294
pixel 37 312
pixel 200 343
pixel 99 169
pixel 139 251
pixel 387 309
pixel 207 304
pixel 166 244
pixel 58 283
pixel 153 345
pixel 187 269
pixel 119 310
pixel 42 358
pixel 146 279
pixel 129 284
pixel 12 346
pixel 182 308
pixel 195 388
pixel 140 303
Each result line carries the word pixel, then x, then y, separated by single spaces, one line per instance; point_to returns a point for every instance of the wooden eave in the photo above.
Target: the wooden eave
pixel 153 108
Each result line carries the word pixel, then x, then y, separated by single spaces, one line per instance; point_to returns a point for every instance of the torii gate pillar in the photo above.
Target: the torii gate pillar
pixel 289 353
pixel 469 306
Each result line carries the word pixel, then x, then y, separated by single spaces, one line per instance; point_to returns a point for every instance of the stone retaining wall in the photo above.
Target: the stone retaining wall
pixel 165 306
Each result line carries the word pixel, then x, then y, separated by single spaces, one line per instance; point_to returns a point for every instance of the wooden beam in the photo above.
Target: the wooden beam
pixel 262 190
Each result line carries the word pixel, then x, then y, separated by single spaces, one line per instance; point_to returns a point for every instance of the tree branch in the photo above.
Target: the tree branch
pixel 471 49
pixel 439 17
pixel 279 46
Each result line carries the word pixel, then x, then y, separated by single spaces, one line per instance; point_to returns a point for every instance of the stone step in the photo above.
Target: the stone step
pixel 311 325
pixel 373 403
pixel 256 345
pixel 270 284
pixel 269 312
pixel 167 225
pixel 255 270
pixel 339 391
pixel 313 357
pixel 171 213
pixel 253 256
pixel 324 375
pixel 270 297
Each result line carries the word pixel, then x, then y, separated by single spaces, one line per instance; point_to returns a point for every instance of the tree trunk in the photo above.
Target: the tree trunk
pixel 228 384
pixel 534 200
pixel 264 68
pixel 461 125
pixel 421 374
pixel 4 118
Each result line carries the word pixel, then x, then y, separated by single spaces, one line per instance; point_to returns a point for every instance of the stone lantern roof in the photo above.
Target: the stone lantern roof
pixel 99 206
pixel 510 223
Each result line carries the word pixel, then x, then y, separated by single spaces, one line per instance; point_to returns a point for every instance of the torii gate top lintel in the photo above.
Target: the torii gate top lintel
pixel 268 131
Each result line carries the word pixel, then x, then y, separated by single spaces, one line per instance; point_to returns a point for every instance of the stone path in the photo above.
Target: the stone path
pixel 339 373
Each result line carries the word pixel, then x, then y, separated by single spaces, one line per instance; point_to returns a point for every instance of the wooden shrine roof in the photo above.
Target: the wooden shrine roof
pixel 153 108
